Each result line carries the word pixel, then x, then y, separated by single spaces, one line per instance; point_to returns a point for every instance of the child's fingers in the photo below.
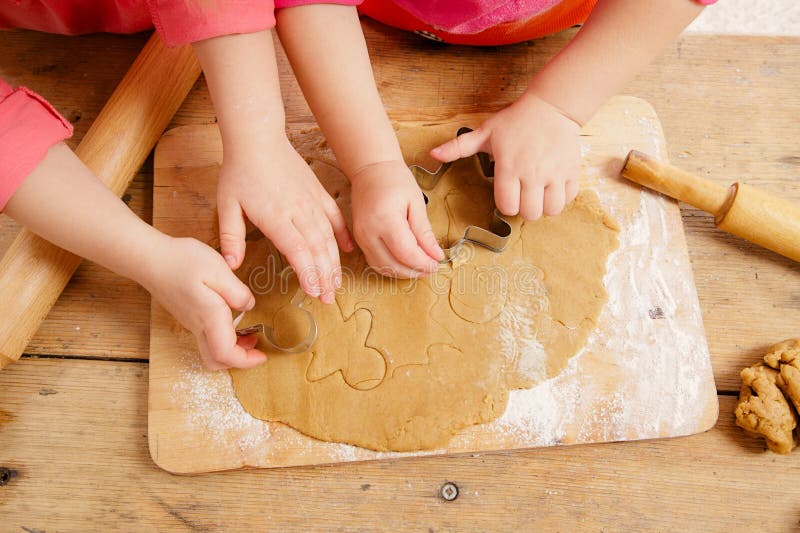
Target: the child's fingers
pixel 421 227
pixel 380 258
pixel 235 293
pixel 338 224
pixel 293 246
pixel 554 197
pixel 464 145
pixel 402 244
pixel 317 232
pixel 531 200
pixel 231 231
pixel 506 191
pixel 222 341
pixel 248 342
pixel 206 357
pixel 571 190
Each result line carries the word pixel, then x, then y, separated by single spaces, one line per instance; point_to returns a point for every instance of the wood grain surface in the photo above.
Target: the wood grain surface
pixel 73 432
pixel 76 437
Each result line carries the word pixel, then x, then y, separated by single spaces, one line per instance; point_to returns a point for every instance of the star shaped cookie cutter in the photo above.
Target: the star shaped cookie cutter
pixel 496 236
pixel 268 334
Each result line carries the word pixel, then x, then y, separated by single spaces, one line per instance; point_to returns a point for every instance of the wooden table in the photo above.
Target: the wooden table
pixel 73 410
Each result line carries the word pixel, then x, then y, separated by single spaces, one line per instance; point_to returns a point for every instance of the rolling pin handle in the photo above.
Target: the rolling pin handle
pixel 674 182
pixel 742 210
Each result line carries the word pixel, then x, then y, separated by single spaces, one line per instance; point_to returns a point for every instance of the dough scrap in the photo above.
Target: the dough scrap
pixel 451 345
pixel 785 357
pixel 763 410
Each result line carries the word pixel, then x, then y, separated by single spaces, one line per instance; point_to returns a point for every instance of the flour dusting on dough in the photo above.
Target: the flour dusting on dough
pixel 667 390
pixel 518 343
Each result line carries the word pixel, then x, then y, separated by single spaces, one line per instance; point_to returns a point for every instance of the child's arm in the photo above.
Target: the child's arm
pixel 535 140
pixel 262 176
pixel 326 48
pixel 62 201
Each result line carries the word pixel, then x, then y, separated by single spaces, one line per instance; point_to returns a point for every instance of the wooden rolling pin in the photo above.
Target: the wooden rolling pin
pixel 33 272
pixel 745 211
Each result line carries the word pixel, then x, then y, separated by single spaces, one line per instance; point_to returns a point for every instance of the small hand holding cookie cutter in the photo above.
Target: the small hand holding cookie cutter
pixel 268 334
pixel 496 236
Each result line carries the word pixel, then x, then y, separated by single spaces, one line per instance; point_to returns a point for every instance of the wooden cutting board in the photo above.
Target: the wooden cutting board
pixel 645 371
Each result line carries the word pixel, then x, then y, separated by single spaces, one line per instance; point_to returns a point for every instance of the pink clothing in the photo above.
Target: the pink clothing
pixel 177 21
pixel 475 16
pixel 29 126
pixel 458 16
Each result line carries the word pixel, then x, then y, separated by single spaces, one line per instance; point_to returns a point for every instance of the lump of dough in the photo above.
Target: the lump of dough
pixel 763 410
pixel 785 358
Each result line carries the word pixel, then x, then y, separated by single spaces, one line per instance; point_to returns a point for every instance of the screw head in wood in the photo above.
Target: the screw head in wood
pixel 449 491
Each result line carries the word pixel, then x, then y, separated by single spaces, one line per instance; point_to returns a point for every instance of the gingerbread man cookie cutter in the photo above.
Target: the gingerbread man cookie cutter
pixel 496 236
pixel 268 334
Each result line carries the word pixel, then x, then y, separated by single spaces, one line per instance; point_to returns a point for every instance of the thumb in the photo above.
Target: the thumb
pixel 421 227
pixel 464 145
pixel 231 232
pixel 235 293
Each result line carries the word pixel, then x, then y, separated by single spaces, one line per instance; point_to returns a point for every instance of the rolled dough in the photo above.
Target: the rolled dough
pixel 403 365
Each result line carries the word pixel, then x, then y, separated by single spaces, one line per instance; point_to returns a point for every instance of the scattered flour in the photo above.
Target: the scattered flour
pixel 518 342
pixel 662 366
pixel 211 406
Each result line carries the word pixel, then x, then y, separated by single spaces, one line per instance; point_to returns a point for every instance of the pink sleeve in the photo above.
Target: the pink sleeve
pixel 29 126
pixel 186 21
pixel 295 3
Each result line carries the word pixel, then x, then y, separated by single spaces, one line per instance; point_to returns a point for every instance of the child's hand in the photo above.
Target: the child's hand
pixel 280 194
pixel 390 221
pixel 537 157
pixel 195 285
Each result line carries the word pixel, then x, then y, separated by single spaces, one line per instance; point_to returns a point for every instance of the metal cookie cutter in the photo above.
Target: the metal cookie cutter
pixel 496 236
pixel 267 333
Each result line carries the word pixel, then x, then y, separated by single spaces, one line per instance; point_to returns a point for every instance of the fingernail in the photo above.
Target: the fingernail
pixel 313 292
pixel 230 260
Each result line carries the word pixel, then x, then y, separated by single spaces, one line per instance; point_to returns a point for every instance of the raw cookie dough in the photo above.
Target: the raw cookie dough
pixel 404 365
pixel 763 410
pixel 785 357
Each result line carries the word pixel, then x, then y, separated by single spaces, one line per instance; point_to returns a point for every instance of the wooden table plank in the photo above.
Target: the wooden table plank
pixel 74 432
pixel 729 106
